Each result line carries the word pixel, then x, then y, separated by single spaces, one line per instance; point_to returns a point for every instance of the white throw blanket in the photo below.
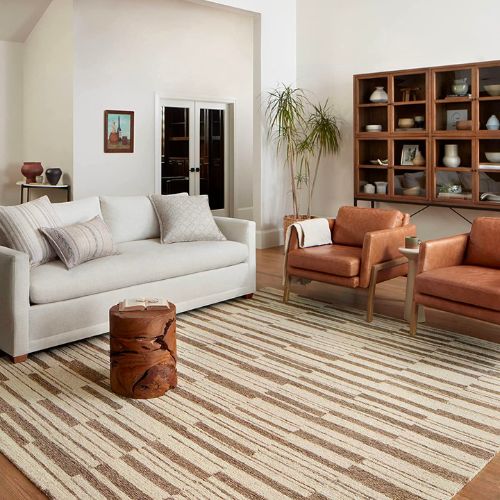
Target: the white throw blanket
pixel 310 233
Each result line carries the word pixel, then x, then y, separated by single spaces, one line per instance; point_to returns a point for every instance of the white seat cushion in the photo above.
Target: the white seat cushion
pixel 138 262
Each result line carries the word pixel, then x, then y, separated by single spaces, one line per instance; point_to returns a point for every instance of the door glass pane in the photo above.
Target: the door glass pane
pixel 175 150
pixel 212 157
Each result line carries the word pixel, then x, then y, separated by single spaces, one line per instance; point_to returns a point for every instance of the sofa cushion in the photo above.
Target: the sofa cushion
pixel 130 218
pixel 78 211
pixel 79 243
pixel 484 243
pixel 474 285
pixel 139 262
pixel 339 260
pixel 352 223
pixel 20 229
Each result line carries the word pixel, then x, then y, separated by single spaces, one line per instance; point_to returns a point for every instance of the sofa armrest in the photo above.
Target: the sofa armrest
pixel 242 231
pixel 443 252
pixel 14 301
pixel 381 246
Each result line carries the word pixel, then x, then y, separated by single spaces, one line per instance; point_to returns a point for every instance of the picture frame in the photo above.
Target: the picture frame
pixel 455 115
pixel 408 153
pixel 118 131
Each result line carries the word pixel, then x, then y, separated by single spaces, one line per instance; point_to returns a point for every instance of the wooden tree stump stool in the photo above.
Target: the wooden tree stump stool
pixel 143 353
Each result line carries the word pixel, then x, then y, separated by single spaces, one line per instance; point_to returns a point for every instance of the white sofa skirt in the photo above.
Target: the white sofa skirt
pixel 69 320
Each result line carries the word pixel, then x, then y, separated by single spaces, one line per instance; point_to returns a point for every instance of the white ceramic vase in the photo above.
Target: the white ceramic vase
pixel 460 86
pixel 369 188
pixel 451 158
pixel 381 187
pixel 379 95
pixel 493 123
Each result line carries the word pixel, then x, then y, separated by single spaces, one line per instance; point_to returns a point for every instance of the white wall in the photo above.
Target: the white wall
pixel 11 120
pixel 337 39
pixel 172 47
pixel 48 89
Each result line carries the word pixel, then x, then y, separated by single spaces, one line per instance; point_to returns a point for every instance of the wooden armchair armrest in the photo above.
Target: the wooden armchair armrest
pixel 382 246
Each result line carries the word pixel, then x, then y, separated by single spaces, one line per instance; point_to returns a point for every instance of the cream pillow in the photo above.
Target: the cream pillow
pixel 79 243
pixel 185 218
pixel 19 229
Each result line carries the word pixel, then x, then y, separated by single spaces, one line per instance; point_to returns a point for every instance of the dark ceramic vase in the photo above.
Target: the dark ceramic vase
pixel 53 175
pixel 30 170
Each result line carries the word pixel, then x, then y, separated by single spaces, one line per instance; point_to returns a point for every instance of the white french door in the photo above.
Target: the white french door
pixel 195 151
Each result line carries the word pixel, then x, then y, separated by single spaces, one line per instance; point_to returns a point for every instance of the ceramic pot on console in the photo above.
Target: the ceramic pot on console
pixel 379 95
pixel 30 170
pixel 53 175
pixel 451 158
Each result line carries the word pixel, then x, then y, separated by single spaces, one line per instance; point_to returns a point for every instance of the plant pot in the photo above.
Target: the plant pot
pixel 53 175
pixel 288 220
pixel 30 170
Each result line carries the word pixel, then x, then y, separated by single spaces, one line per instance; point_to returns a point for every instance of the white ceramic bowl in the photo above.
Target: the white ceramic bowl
pixel 406 123
pixel 413 191
pixel 492 89
pixel 373 128
pixel 493 157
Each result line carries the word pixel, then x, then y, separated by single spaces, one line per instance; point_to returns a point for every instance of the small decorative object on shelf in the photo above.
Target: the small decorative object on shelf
pixel 53 175
pixel 408 154
pixel 418 159
pixel 493 90
pixel 460 87
pixel 419 121
pixel 493 123
pixel 493 156
pixel 369 188
pixel 406 123
pixel 409 93
pixel 451 158
pixel 464 125
pixel 455 115
pixel 30 170
pixel 381 187
pixel 379 95
pixel 374 128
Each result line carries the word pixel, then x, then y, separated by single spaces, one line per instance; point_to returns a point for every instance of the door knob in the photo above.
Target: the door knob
pixel 192 170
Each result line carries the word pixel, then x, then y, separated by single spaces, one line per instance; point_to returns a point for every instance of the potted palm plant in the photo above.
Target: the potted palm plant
pixel 303 133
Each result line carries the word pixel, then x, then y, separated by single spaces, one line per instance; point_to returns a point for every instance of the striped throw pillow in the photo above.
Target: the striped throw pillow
pixel 79 243
pixel 19 229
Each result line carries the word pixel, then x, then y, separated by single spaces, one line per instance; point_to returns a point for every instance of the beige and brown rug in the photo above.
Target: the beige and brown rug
pixel 274 401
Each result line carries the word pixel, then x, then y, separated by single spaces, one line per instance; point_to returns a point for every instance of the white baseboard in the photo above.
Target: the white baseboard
pixel 244 213
pixel 269 238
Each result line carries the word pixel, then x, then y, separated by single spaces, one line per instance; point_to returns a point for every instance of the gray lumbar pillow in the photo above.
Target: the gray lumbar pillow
pixel 79 243
pixel 19 229
pixel 185 218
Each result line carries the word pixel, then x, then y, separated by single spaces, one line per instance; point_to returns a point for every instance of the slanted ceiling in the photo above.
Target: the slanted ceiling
pixel 19 17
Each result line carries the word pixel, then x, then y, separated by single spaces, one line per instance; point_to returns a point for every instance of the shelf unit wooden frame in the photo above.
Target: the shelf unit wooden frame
pixel 433 105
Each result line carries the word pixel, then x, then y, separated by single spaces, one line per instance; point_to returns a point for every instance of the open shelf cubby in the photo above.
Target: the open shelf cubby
pixel 455 103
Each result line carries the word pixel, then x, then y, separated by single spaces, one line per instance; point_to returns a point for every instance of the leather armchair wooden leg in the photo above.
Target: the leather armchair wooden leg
pixel 373 282
pixel 286 290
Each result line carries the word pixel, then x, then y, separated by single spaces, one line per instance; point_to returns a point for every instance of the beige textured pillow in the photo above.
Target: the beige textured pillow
pixel 19 229
pixel 185 218
pixel 80 243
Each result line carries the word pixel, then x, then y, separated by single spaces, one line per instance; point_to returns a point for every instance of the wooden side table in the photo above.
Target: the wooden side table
pixel 143 352
pixel 412 255
pixel 29 186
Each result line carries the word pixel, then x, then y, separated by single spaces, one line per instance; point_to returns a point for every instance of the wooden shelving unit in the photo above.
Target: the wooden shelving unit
pixel 428 92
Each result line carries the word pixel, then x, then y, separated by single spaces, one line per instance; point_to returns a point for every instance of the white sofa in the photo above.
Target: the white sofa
pixel 49 305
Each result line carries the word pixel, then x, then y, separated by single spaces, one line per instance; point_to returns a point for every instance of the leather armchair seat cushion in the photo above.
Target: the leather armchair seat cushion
pixel 474 285
pixel 339 260
pixel 484 243
pixel 138 262
pixel 352 223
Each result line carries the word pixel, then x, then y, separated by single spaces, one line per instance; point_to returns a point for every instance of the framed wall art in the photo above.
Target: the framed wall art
pixel 118 131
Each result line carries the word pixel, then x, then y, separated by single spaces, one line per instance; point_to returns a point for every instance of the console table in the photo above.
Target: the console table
pixel 36 186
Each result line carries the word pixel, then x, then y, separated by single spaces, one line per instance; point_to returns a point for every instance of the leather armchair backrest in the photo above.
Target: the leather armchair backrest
pixel 352 223
pixel 484 243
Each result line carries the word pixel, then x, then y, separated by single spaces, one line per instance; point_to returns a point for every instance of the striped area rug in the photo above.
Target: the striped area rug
pixel 274 401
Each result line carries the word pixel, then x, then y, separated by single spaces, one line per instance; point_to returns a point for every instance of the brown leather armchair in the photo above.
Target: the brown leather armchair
pixel 461 274
pixel 364 251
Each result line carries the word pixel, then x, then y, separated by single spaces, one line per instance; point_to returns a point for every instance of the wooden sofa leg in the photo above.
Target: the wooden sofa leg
pixel 414 319
pixel 371 296
pixel 248 296
pixel 19 359
pixel 286 291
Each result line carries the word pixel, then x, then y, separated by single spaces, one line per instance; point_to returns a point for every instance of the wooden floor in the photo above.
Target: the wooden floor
pixel 389 301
